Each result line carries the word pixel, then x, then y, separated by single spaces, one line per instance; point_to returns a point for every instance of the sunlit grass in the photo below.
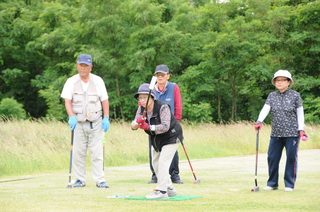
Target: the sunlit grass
pixel 225 186
pixel 39 145
pixel 34 162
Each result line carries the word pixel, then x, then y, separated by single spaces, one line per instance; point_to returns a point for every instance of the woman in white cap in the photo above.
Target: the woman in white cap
pixel 287 129
pixel 165 133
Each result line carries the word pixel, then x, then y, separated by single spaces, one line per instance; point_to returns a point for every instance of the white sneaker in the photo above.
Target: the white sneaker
pixel 288 189
pixel 157 195
pixel 268 188
pixel 172 192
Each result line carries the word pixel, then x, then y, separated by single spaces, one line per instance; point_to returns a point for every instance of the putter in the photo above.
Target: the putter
pixel 196 181
pixel 256 188
pixel 103 150
pixel 70 167
pixel 151 87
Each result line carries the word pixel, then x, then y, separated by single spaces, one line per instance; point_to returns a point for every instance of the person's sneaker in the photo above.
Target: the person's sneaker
pixel 79 183
pixel 268 188
pixel 177 182
pixel 288 189
pixel 102 185
pixel 172 192
pixel 153 181
pixel 157 195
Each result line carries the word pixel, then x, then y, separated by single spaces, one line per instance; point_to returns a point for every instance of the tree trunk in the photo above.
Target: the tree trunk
pixel 234 97
pixel 119 96
pixel 219 102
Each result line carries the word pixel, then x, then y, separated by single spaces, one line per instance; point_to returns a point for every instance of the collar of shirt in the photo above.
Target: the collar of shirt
pixel 284 92
pixel 161 90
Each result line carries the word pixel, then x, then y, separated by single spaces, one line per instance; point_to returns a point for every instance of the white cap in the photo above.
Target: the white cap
pixel 282 73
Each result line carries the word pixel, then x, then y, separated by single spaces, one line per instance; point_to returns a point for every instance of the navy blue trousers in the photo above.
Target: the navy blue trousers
pixel 274 155
pixel 174 167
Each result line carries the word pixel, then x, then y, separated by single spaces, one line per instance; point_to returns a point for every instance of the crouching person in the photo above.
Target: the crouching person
pixel 165 131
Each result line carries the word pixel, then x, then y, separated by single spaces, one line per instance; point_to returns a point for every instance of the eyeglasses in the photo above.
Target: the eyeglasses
pixel 160 74
pixel 142 98
pixel 281 80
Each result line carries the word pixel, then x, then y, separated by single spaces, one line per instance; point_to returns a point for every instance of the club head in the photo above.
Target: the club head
pixel 255 189
pixel 197 181
pixel 69 186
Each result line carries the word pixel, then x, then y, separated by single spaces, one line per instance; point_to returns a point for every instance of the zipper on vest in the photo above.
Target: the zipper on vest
pixel 155 144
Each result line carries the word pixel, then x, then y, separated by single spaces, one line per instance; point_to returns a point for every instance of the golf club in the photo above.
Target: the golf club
pixel 196 181
pixel 256 188
pixel 70 167
pixel 151 87
pixel 103 150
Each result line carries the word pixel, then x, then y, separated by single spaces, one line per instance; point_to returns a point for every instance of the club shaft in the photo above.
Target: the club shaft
pixel 185 151
pixel 71 149
pixel 256 165
pixel 151 87
pixel 103 152
pixel 146 108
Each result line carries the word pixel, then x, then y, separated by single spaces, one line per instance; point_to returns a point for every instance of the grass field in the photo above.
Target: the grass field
pixel 30 147
pixel 34 162
pixel 225 186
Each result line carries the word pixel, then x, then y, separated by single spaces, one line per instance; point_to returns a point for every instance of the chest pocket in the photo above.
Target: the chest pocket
pixel 93 97
pixel 78 97
pixel 77 102
pixel 94 106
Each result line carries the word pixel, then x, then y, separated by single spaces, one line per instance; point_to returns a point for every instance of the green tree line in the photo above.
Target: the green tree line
pixel 222 54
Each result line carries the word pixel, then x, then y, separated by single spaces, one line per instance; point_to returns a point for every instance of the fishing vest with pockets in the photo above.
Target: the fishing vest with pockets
pixel 169 137
pixel 86 105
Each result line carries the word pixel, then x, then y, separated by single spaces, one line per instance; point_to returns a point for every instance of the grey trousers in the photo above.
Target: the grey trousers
pixel 88 135
pixel 161 162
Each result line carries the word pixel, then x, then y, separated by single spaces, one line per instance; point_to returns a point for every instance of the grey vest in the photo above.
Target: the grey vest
pixel 86 105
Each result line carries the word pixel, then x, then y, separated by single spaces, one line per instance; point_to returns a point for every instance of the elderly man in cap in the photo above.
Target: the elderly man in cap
pixel 87 105
pixel 169 93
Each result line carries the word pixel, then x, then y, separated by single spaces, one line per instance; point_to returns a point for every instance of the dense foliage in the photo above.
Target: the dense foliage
pixel 222 55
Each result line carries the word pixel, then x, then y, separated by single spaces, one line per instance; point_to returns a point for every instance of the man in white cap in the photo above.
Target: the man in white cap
pixel 86 101
pixel 287 129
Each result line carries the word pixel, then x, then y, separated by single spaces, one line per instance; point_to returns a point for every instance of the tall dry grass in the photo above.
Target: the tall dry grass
pixel 28 147
pixel 235 139
pixel 32 146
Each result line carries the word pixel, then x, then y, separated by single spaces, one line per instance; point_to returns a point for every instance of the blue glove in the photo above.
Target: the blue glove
pixel 72 122
pixel 105 124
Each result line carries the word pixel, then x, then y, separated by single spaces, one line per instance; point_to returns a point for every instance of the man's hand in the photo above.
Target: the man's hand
pixel 72 122
pixel 303 135
pixel 141 120
pixel 258 125
pixel 144 126
pixel 105 124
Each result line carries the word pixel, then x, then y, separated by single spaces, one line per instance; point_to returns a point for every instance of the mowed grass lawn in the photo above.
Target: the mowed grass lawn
pixel 34 169
pixel 225 186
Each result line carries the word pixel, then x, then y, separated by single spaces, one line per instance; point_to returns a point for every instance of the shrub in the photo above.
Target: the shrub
pixel 10 108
